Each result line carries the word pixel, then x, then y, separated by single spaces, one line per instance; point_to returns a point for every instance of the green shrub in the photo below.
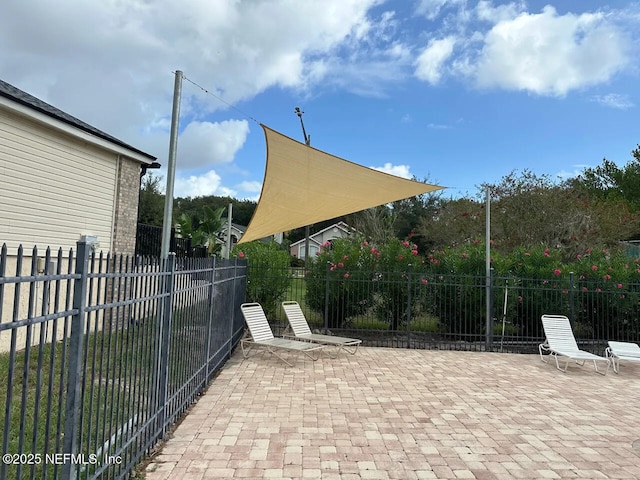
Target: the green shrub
pixel 268 276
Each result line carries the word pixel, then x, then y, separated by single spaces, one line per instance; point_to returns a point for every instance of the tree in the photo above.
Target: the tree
pixel 409 213
pixel 203 231
pixel 151 201
pixel 528 210
pixel 397 220
pixel 242 210
pixel 377 223
pixel 608 181
pixel 615 189
pixel 453 222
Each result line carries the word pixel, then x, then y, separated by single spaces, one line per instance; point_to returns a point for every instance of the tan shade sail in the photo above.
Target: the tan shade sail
pixel 303 186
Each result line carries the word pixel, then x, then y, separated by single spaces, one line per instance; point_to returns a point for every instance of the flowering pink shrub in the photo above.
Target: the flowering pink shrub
pixel 597 284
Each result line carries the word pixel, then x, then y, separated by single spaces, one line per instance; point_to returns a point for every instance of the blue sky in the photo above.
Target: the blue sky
pixel 457 92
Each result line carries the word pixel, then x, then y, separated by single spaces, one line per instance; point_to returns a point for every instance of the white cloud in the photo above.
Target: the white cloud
pixel 250 186
pixel 202 144
pixel 433 8
pixel 550 54
pixel 206 184
pixel 438 126
pixel 133 47
pixel 614 100
pixel 397 170
pixel 250 190
pixel 487 12
pixel 506 47
pixel 429 62
pixel 566 175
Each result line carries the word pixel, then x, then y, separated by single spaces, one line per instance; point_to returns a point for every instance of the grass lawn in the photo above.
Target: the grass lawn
pixel 120 385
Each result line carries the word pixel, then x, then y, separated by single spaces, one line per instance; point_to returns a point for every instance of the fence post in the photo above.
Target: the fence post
pixel 571 299
pixel 489 319
pixel 326 299
pixel 73 409
pixel 410 267
pixel 212 293
pixel 233 304
pixel 172 241
pixel 165 342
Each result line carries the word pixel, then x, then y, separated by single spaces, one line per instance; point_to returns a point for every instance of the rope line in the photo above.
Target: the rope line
pixel 220 99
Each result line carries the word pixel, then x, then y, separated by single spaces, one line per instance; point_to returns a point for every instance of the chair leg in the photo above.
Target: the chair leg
pixel 245 350
pixel 566 365
pixel 612 359
pixel 543 348
pixel 346 348
pixel 317 356
pixel 273 352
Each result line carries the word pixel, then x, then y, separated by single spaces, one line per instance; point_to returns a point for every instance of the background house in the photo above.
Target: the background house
pixel 337 230
pixel 63 178
pixel 236 234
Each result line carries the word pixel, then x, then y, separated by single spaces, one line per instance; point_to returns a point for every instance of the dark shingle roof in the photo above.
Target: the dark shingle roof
pixel 9 91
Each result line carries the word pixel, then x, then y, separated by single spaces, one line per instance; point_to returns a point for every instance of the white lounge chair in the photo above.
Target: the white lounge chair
pixel 300 327
pixel 617 351
pixel 560 342
pixel 262 336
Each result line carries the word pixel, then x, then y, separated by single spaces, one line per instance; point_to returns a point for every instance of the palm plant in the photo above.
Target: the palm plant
pixel 203 232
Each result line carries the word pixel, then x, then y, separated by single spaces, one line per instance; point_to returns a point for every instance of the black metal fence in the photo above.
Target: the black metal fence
pixel 149 243
pixel 402 309
pixel 101 355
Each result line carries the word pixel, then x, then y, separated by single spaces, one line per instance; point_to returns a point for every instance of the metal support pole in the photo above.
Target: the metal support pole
pixel 488 318
pixel 171 167
pixel 307 141
pixel 229 219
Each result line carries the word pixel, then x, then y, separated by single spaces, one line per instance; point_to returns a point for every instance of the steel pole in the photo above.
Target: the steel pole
pixel 171 167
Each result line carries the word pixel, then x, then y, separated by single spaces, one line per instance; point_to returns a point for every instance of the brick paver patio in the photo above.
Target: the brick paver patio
pixel 408 414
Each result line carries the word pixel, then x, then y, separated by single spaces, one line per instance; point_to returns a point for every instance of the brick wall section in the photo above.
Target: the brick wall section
pixel 127 193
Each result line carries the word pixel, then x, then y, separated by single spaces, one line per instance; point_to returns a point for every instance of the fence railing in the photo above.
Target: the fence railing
pixel 100 355
pixel 404 309
pixel 149 243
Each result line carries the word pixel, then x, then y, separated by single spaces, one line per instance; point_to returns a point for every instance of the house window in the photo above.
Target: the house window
pixel 312 248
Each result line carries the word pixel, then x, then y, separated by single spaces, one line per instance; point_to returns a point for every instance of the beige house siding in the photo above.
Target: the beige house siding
pixel 59 293
pixel 60 179
pixel 54 187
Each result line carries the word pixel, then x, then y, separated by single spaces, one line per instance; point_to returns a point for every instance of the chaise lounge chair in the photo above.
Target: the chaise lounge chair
pixel 262 336
pixel 617 351
pixel 301 331
pixel 560 342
